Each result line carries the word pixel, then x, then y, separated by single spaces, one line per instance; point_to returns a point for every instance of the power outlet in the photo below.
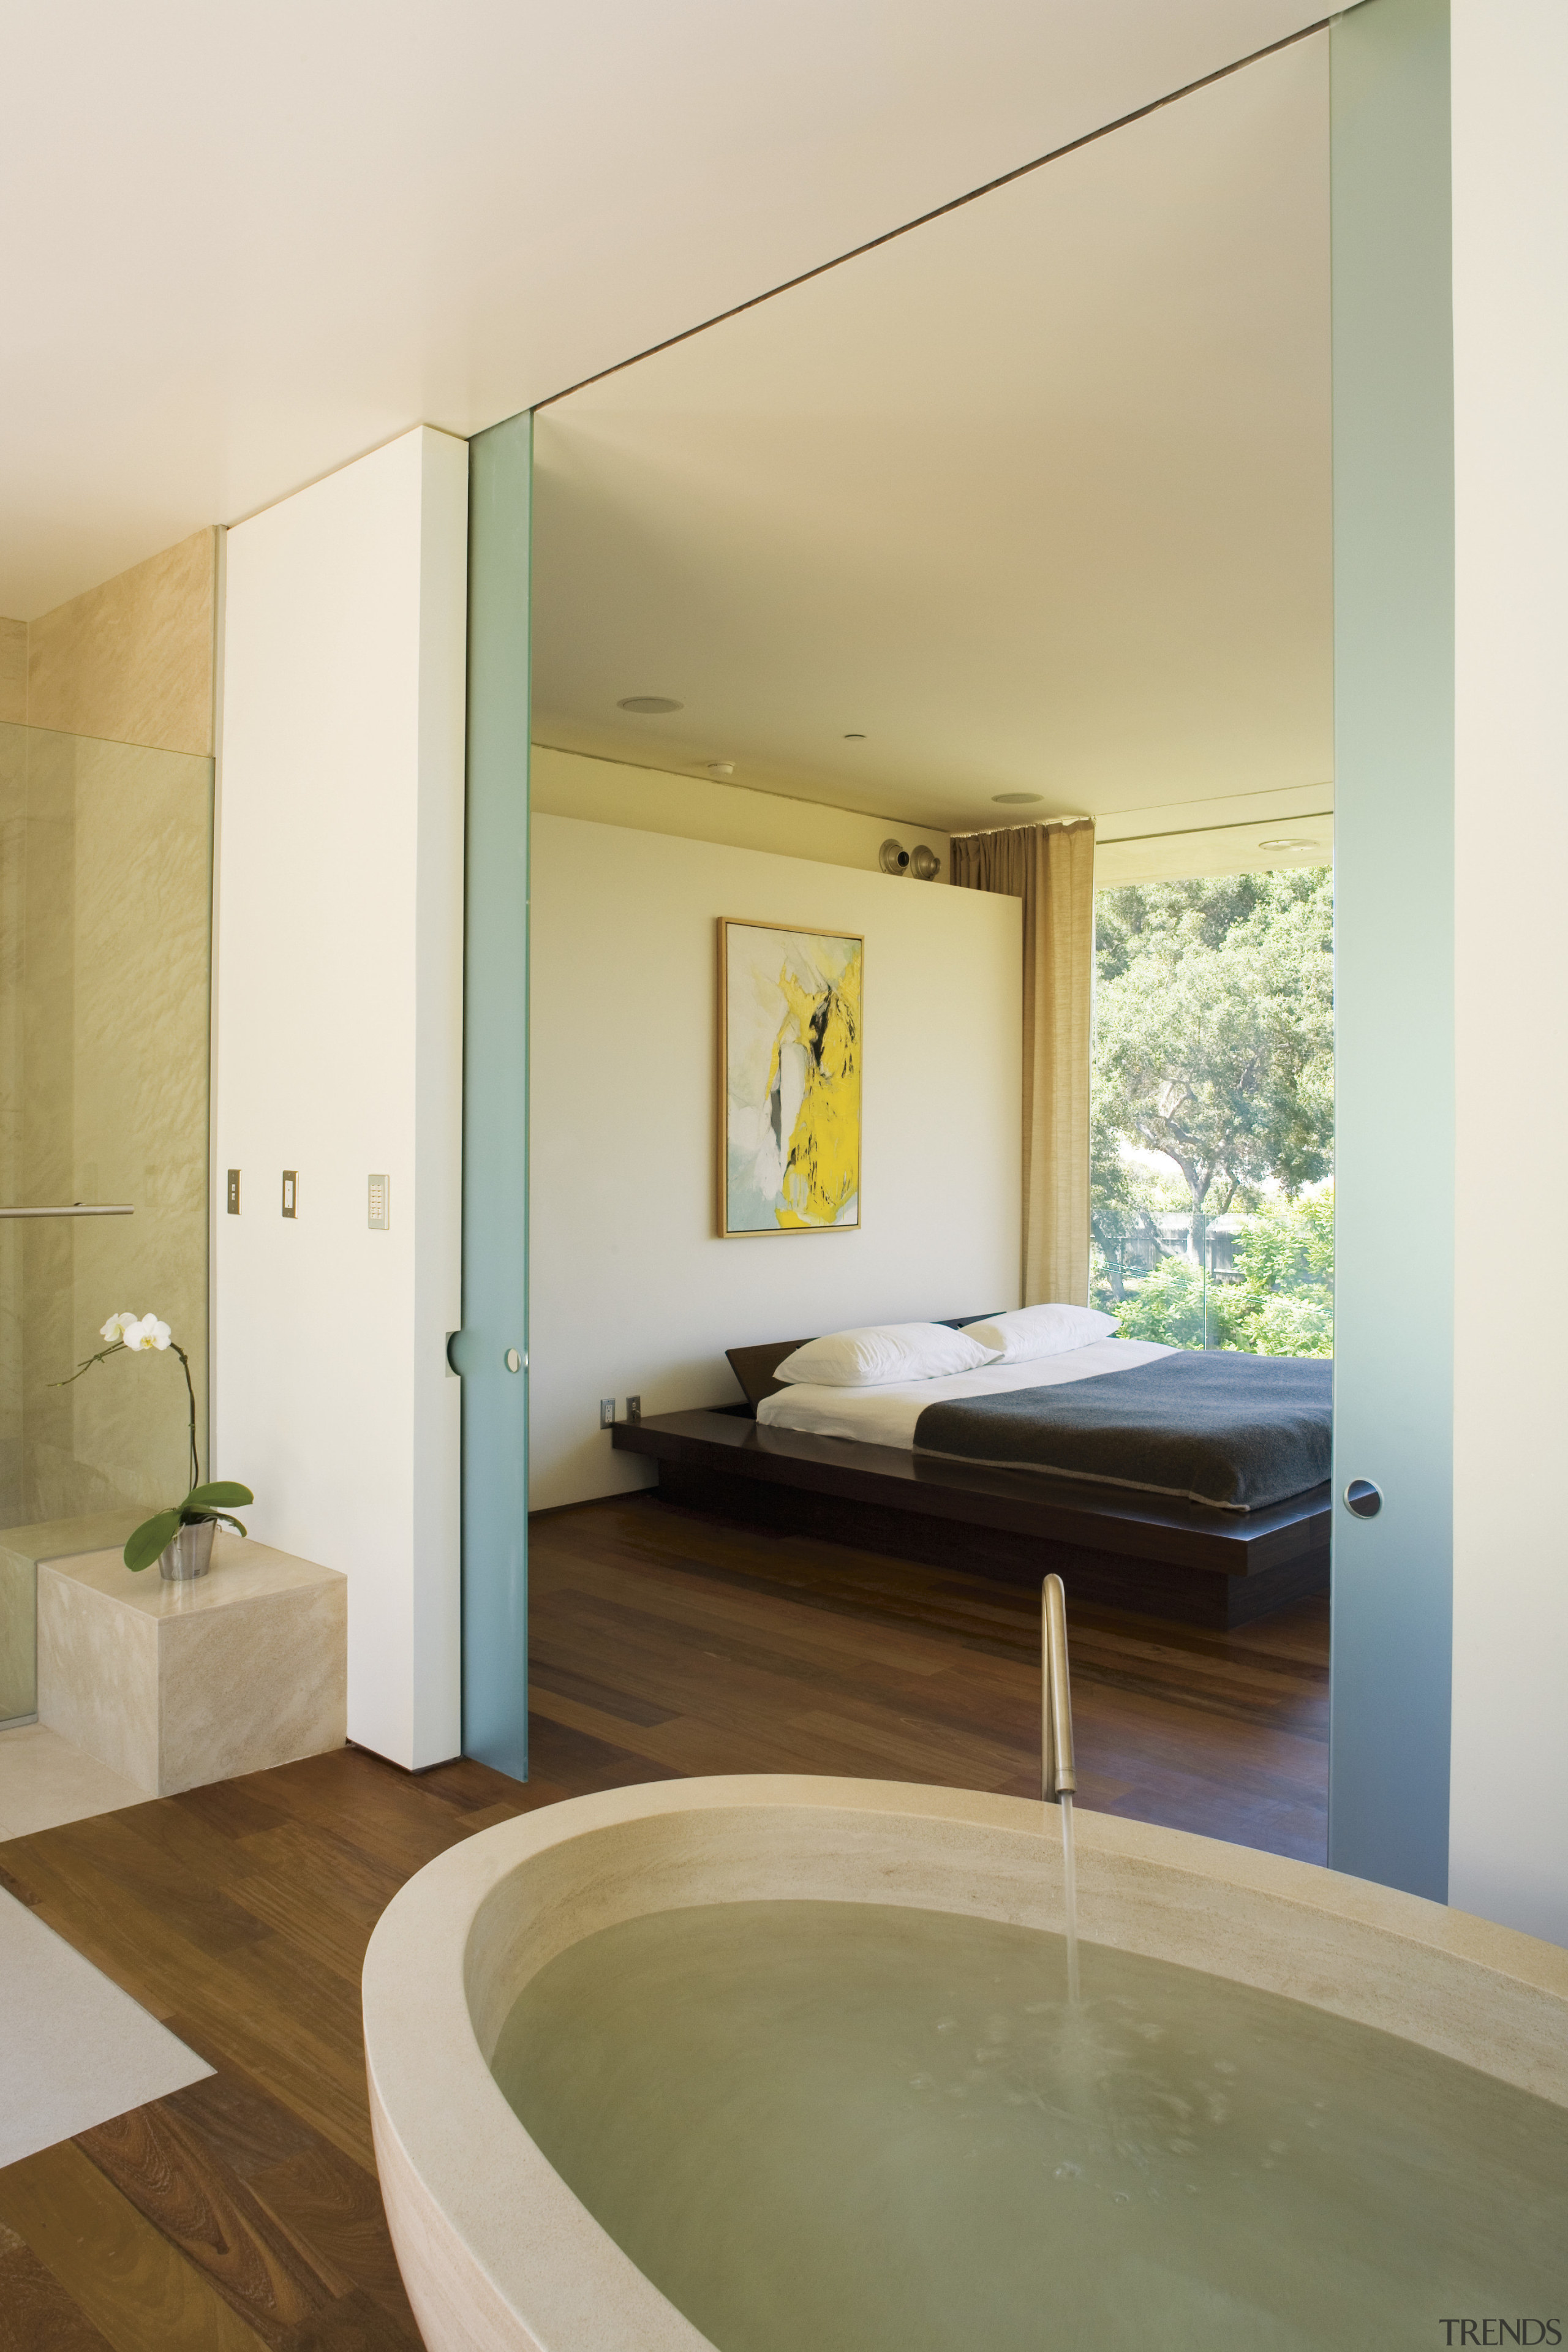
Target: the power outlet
pixel 606 1412
pixel 634 1408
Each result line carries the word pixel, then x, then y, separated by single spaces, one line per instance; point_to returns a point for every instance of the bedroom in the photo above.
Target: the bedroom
pixel 1023 516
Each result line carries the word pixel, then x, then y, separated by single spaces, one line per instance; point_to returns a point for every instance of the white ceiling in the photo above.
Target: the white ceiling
pixel 1037 498
pixel 244 245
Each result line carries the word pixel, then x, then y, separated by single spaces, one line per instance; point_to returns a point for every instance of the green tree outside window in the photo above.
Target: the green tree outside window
pixel 1213 1050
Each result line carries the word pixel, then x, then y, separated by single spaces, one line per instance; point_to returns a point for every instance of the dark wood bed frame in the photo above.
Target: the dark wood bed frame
pixel 1118 1549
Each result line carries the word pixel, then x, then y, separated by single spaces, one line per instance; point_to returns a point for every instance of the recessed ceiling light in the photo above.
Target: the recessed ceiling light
pixel 1290 841
pixel 653 705
pixel 721 767
pixel 1015 799
pixel 854 739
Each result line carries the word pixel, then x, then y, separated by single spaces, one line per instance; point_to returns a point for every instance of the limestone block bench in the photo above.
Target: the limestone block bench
pixel 177 1684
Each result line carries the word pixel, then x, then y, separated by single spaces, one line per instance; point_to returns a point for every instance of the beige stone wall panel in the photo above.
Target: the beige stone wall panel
pixel 132 660
pixel 13 673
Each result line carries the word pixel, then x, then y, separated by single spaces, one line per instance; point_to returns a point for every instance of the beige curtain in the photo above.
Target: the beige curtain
pixel 1051 868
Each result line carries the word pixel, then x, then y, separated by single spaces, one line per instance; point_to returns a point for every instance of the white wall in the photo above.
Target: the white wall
pixel 630 1291
pixel 699 808
pixel 338 911
pixel 1509 1824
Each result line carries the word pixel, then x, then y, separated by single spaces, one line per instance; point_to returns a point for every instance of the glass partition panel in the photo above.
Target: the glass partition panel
pixel 1212 1200
pixel 490 1352
pixel 105 896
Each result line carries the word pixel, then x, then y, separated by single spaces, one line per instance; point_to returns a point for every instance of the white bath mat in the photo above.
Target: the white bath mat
pixel 74 2049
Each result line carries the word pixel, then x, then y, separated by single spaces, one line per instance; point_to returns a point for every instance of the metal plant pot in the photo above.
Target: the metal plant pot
pixel 190 1554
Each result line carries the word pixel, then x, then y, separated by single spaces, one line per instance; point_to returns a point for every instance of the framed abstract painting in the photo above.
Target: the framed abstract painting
pixel 789 1069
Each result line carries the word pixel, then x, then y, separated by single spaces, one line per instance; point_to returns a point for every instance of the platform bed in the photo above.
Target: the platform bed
pixel 1183 1561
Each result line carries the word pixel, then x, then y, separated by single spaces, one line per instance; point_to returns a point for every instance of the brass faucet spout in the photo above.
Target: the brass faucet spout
pixel 1058 1778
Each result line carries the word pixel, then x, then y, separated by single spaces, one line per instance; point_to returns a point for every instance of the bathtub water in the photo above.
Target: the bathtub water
pixel 861 2127
pixel 801 2052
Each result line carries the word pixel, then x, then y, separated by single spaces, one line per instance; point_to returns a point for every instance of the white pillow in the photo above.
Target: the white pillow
pixel 884 1351
pixel 1032 1331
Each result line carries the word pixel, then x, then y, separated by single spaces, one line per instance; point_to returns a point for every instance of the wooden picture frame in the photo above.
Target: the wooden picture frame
pixel 790 1051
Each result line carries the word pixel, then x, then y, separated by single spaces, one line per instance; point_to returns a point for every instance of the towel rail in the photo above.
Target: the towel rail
pixel 77 1209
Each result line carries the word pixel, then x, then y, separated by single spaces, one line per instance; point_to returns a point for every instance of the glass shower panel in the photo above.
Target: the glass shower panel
pixel 105 897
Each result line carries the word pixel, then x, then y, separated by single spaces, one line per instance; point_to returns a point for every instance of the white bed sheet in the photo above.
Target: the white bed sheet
pixel 886 1415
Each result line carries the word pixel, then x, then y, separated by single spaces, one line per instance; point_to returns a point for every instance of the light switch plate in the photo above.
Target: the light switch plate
pixel 290 1189
pixel 234 1192
pixel 634 1408
pixel 380 1204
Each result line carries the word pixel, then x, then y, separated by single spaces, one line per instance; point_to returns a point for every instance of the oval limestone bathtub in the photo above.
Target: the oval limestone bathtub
pixel 495 2250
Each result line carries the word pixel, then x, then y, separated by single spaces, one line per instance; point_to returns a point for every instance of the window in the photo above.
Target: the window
pixel 1212 1210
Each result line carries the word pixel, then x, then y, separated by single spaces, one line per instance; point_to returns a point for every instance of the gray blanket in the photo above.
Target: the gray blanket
pixel 1232 1430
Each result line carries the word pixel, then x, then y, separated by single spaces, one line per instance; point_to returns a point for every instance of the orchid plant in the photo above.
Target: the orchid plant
pixel 139 1335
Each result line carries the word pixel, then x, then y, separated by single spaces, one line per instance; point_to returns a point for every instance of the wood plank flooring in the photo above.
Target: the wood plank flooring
pixel 243 2211
pixel 681 1643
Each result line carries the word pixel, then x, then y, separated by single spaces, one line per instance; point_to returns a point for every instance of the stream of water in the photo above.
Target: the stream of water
pixel 1070 1898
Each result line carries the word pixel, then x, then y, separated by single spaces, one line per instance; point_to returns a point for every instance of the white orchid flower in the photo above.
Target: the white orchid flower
pixel 147 1333
pixel 116 1328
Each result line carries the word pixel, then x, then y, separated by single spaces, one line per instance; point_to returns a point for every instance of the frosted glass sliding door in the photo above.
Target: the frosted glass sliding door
pixel 1393 666
pixel 491 1351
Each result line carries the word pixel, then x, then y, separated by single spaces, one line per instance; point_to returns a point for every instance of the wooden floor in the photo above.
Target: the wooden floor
pixel 662 1640
pixel 244 2210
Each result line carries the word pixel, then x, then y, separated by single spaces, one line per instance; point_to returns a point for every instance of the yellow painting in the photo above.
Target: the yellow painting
pixel 790 1050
